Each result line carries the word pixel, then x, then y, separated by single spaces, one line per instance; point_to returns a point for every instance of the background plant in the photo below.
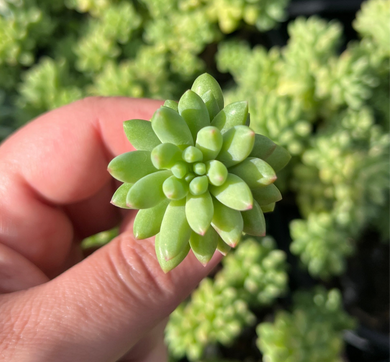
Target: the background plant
pixel 324 99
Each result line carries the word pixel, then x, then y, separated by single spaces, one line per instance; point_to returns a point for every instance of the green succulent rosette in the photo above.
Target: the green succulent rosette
pixel 200 176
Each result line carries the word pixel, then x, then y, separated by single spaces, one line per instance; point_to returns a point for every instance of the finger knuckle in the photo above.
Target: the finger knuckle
pixel 134 263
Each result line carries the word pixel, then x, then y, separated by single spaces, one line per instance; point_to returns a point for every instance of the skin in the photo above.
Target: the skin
pixel 56 304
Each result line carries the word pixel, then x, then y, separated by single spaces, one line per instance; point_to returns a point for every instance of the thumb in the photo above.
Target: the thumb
pixel 101 307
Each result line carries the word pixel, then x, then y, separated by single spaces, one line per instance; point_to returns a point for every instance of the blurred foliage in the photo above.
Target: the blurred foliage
pixel 214 314
pixel 311 332
pixel 257 270
pixel 252 275
pixel 99 239
pixel 326 102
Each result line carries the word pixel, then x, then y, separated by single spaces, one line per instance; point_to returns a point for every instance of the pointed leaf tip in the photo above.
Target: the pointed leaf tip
pixel 233 114
pixel 249 207
pixel 207 83
pixel 170 127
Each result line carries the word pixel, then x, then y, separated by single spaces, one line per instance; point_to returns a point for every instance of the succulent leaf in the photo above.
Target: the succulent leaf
pixel 175 231
pixel 170 127
pixel 279 158
pixel 276 156
pixel 266 195
pixel 147 192
pixel 147 222
pixel 167 265
pixel 222 247
pixel 254 222
pixel 263 147
pixel 165 156
pixel 211 104
pixel 180 169
pixel 234 114
pixel 237 144
pixel 119 197
pixel 129 167
pixel 204 246
pixel 171 104
pixel 216 172
pixel 234 193
pixel 268 208
pixel 199 185
pixel 192 154
pixel 174 188
pixel 189 177
pixel 209 140
pixel 248 120
pixel 255 172
pixel 199 212
pixel 192 108
pixel 206 83
pixel 140 134
pixel 228 223
pixel 199 168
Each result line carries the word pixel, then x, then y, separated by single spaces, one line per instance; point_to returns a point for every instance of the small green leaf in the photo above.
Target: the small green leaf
pixel 194 111
pixel 276 156
pixel 140 134
pixel 268 208
pixel 228 223
pixel 211 104
pixel 170 127
pixel 189 177
pixel 216 172
pixel 204 246
pixel 248 120
pixel 234 114
pixel 148 221
pixel 222 247
pixel 199 212
pixel 165 155
pixel 279 158
pixel 175 231
pixel 237 145
pixel 199 185
pixel 192 154
pixel 147 192
pixel 255 172
pixel 254 222
pixel 180 169
pixel 267 195
pixel 167 265
pixel 129 167
pixel 199 168
pixel 119 197
pixel 174 188
pixel 262 147
pixel 209 140
pixel 171 104
pixel 234 193
pixel 205 83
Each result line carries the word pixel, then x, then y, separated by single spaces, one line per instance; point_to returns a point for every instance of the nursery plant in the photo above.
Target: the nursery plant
pixel 200 175
pixel 317 85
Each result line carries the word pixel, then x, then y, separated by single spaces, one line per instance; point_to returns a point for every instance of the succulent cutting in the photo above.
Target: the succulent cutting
pixel 200 176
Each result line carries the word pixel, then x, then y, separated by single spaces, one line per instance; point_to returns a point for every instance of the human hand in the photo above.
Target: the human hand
pixel 55 191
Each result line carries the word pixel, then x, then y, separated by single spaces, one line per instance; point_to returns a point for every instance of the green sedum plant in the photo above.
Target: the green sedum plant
pixel 200 175
pixel 257 270
pixel 311 332
pixel 215 314
pixel 253 274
